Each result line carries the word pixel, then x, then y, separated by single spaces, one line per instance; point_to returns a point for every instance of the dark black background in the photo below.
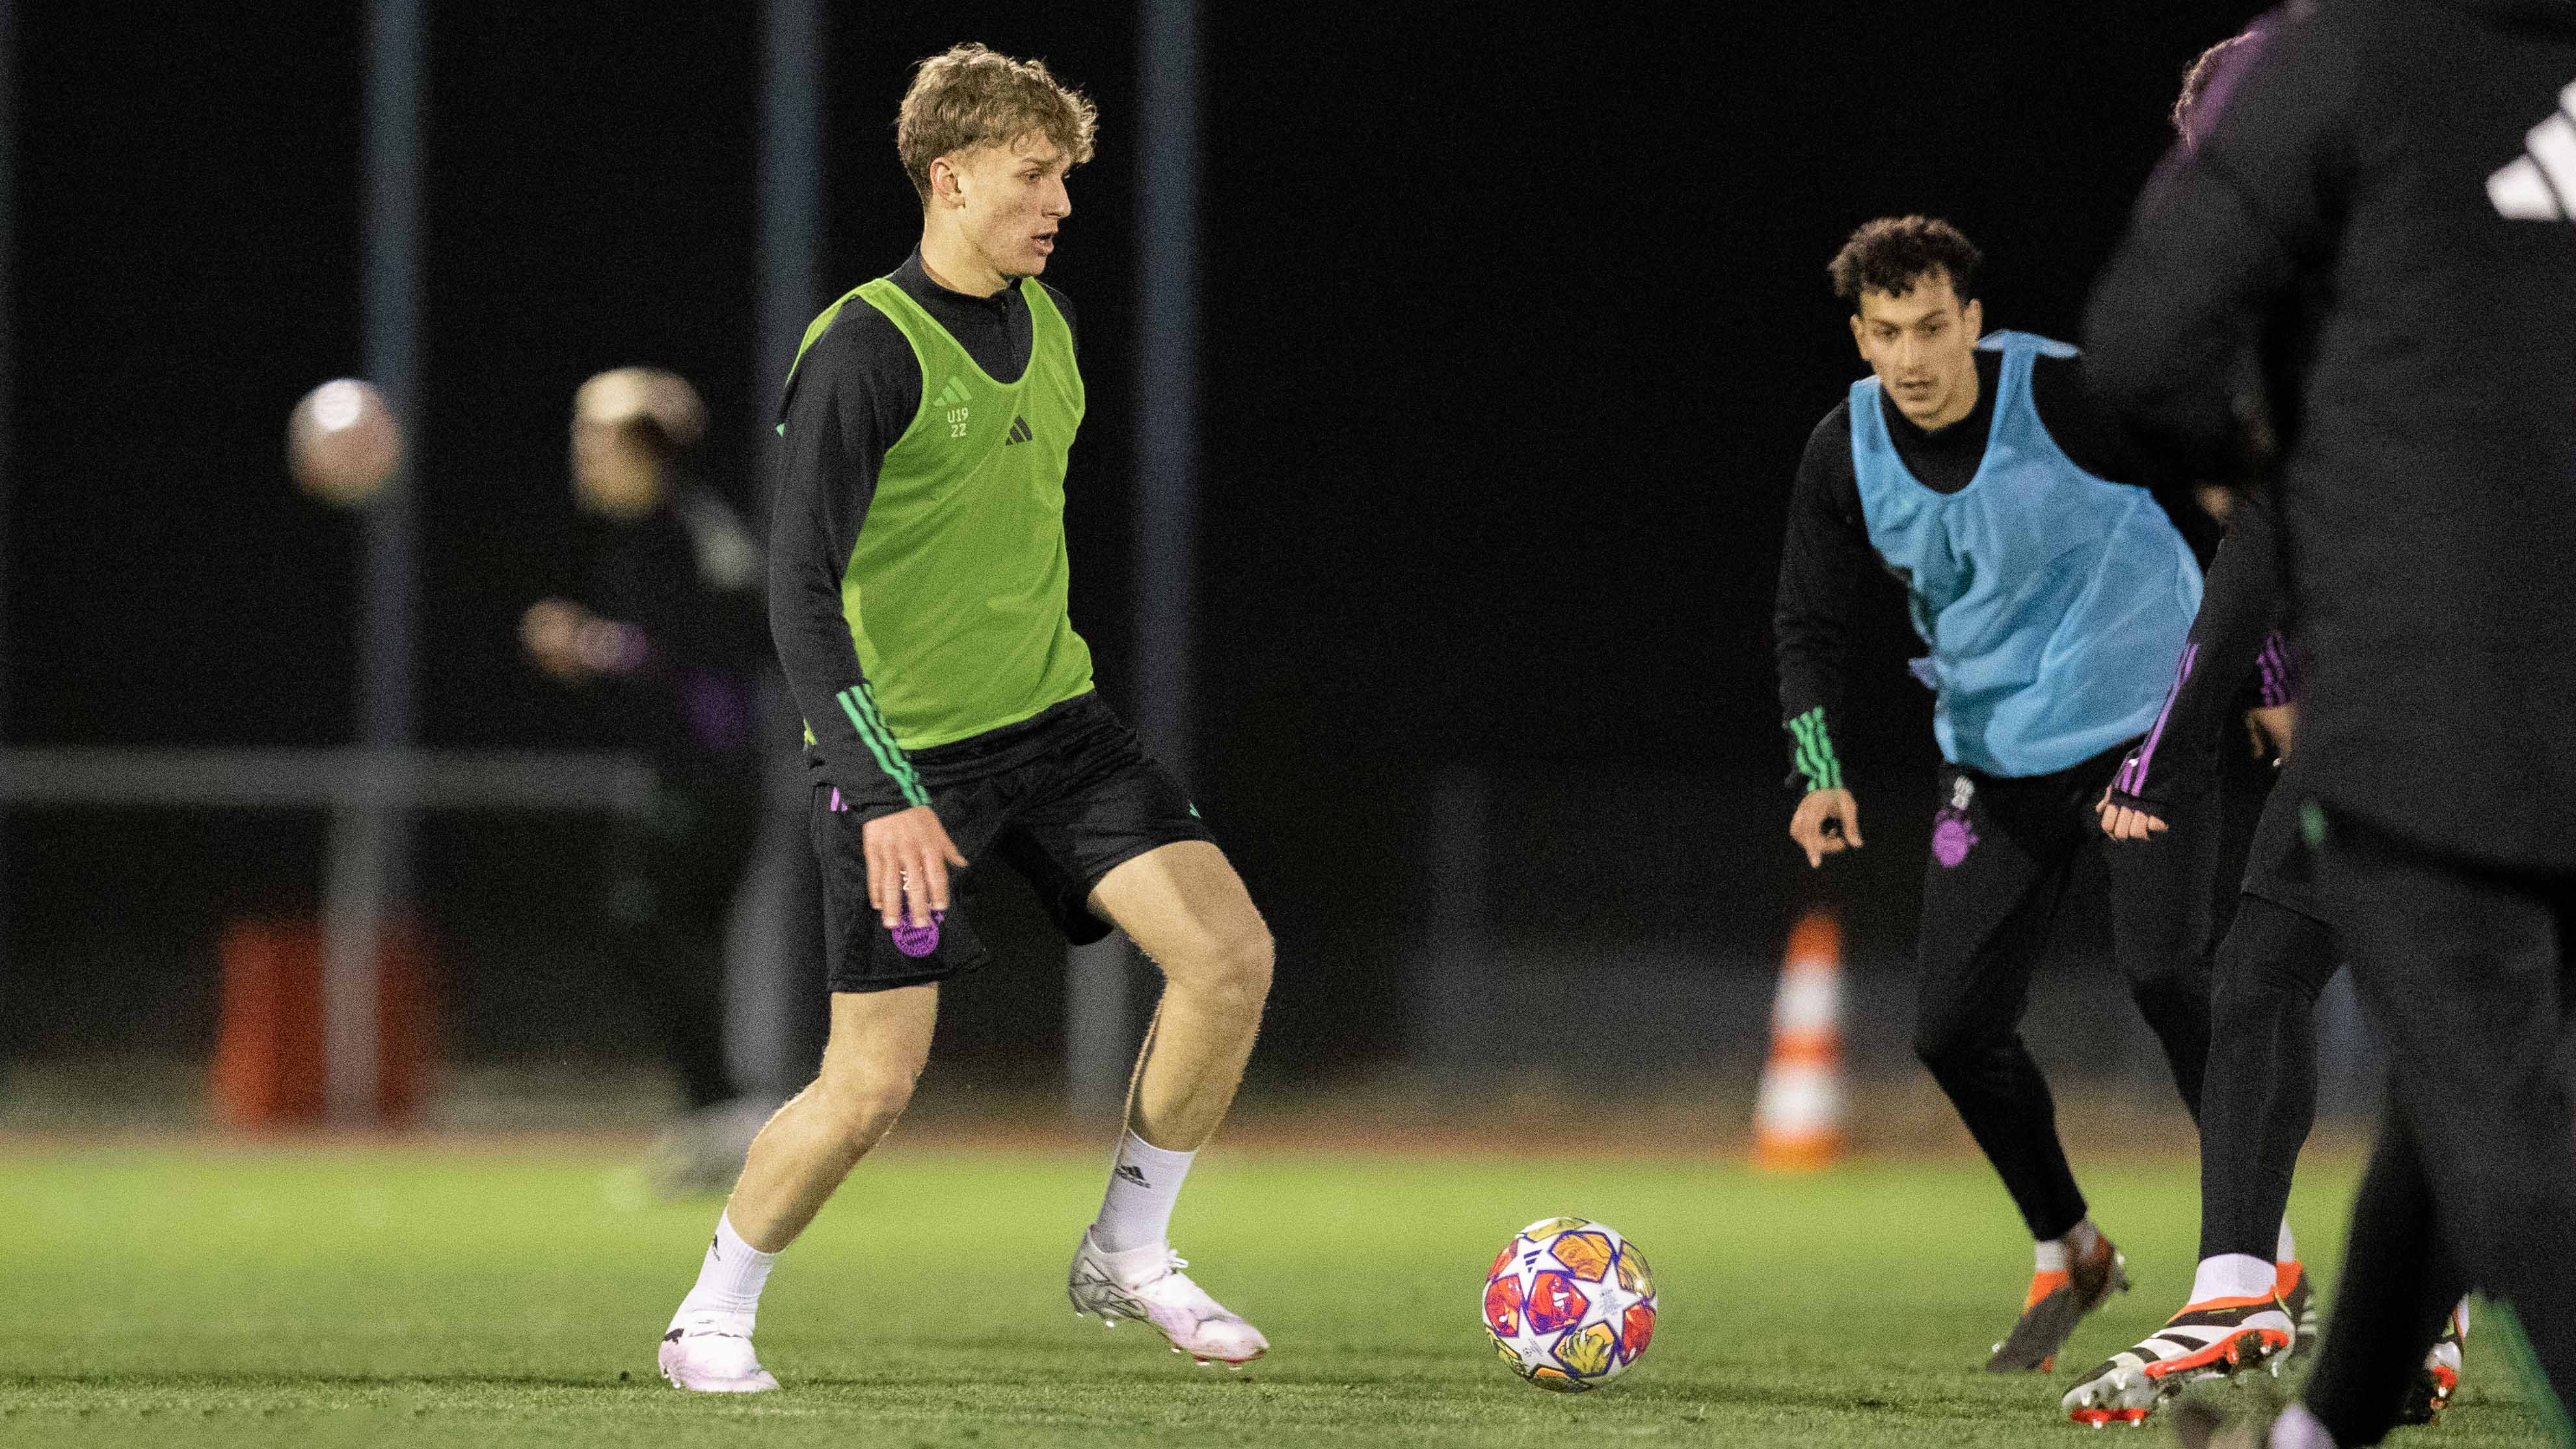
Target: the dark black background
pixel 1515 326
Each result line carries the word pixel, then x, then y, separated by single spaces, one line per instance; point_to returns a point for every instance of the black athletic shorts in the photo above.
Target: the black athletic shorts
pixel 1065 797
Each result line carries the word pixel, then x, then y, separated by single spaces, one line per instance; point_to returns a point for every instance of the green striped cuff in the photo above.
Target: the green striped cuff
pixel 1811 751
pixel 860 704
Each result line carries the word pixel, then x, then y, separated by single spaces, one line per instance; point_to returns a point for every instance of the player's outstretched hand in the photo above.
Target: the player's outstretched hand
pixel 2123 821
pixel 1827 822
pixel 550 632
pixel 909 854
pixel 2279 724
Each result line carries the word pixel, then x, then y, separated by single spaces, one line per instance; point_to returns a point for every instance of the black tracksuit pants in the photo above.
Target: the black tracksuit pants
pixel 2469 975
pixel 671 881
pixel 2260 1097
pixel 2004 853
pixel 2274 958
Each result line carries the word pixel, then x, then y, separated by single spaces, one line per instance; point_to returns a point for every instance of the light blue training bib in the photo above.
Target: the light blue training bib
pixel 2054 602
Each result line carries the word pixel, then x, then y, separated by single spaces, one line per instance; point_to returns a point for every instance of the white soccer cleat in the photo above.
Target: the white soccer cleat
pixel 2214 1339
pixel 710 1353
pixel 1147 1284
pixel 2439 1377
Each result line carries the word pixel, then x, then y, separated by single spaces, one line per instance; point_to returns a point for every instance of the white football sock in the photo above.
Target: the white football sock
pixel 2231 1275
pixel 2053 1255
pixel 1137 1210
pixel 2287 1250
pixel 730 1279
pixel 2299 1429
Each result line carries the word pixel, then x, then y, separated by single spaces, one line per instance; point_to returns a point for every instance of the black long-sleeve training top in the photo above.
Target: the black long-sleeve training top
pixel 2380 156
pixel 2236 655
pixel 852 394
pixel 1827 557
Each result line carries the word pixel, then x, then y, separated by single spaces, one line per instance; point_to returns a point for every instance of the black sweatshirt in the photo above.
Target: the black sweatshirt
pixel 682 583
pixel 849 399
pixel 2378 155
pixel 1827 558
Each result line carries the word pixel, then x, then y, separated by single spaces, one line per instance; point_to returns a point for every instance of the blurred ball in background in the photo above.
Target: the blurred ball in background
pixel 343 444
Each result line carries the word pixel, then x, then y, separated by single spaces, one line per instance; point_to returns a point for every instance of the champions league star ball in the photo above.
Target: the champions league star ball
pixel 1570 1304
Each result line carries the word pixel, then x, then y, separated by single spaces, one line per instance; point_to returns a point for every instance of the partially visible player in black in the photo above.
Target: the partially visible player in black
pixel 2029 746
pixel 665 634
pixel 2369 212
pixel 2250 1297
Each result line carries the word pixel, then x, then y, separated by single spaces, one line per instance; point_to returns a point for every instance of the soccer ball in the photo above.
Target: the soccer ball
pixel 343 443
pixel 1570 1304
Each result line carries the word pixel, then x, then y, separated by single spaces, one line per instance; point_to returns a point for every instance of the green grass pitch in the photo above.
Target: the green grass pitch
pixel 183 1295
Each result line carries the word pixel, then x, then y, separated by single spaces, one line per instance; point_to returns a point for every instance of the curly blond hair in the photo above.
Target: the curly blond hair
pixel 971 96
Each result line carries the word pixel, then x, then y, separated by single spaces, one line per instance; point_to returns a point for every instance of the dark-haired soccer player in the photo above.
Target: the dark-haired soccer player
pixel 917 594
pixel 1979 474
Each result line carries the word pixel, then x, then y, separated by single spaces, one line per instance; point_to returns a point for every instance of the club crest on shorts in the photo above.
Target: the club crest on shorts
pixel 919 941
pixel 1952 836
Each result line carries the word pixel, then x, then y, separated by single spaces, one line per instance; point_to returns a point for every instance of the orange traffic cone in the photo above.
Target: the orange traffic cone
pixel 1798 1117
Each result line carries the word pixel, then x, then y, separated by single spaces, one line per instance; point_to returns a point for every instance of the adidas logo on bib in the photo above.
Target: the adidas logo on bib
pixel 953 397
pixel 2541 184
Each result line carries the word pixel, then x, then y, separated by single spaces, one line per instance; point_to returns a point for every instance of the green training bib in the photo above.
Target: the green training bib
pixel 956 592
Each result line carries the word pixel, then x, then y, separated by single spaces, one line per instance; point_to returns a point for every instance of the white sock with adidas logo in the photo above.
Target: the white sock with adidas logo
pixel 1143 1185
pixel 729 1279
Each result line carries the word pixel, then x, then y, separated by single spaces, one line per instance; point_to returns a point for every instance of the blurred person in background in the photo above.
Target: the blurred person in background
pixel 2052 599
pixel 667 634
pixel 2382 210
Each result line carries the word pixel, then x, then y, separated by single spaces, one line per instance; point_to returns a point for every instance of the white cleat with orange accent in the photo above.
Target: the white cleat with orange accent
pixel 2439 1378
pixel 2213 1339
pixel 1147 1284
pixel 710 1353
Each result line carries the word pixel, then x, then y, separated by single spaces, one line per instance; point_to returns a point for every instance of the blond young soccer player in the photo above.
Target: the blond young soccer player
pixel 918 598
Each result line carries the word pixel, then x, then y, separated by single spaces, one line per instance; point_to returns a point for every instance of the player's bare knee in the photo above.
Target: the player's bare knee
pixel 870 1114
pixel 863 1100
pixel 1236 970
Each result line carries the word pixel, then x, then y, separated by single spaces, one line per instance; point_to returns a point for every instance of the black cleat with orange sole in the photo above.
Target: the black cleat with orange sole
pixel 2056 1303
